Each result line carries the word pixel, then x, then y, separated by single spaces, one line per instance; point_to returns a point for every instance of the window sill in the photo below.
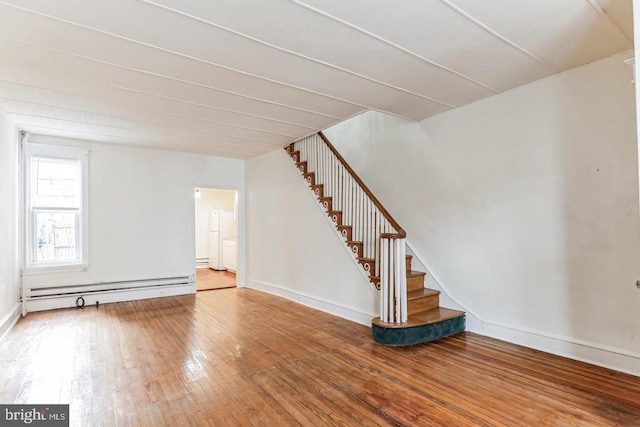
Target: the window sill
pixel 52 269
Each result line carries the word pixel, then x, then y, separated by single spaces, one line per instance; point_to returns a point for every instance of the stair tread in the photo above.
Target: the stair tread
pixel 421 293
pixel 414 273
pixel 422 318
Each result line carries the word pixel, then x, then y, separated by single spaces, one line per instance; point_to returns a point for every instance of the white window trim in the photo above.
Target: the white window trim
pixel 55 151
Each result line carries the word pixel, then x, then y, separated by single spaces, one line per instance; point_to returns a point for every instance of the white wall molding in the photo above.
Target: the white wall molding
pixel 314 302
pixel 572 348
pixel 473 321
pixel 9 320
pixel 582 350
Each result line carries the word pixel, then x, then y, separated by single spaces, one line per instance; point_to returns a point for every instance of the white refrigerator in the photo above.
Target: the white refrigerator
pixel 221 227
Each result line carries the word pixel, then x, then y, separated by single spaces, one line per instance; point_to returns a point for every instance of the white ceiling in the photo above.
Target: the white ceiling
pixel 238 78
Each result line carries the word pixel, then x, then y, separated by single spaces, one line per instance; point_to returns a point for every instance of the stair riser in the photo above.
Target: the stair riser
pixel 310 178
pixel 415 283
pixel 346 232
pixel 422 304
pixel 318 190
pixel 327 203
pixel 356 248
pixel 336 217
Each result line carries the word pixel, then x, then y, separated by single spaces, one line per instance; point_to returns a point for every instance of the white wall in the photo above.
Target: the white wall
pixel 141 211
pixel 293 250
pixel 9 286
pixel 525 206
pixel 210 199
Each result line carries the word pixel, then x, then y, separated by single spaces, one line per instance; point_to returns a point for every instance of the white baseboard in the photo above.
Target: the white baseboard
pixel 68 301
pixel 314 302
pixel 581 350
pixel 202 263
pixel 584 351
pixel 9 320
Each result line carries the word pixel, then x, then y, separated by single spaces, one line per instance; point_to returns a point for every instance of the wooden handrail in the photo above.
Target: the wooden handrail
pixel 400 231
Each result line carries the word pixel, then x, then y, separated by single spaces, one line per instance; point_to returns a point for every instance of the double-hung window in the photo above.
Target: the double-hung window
pixel 56 207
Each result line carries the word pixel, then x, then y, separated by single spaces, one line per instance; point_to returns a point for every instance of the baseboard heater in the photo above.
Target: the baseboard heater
pixel 66 295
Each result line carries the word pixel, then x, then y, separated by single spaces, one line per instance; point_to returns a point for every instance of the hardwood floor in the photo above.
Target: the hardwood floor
pixel 242 357
pixel 208 279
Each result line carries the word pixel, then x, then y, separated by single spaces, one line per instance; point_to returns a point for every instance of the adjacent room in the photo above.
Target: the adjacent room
pixel 216 238
pixel 305 212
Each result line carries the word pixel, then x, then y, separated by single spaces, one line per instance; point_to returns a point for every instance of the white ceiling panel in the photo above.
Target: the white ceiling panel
pixel 456 44
pixel 162 140
pixel 43 61
pixel 331 42
pixel 565 33
pixel 239 78
pixel 96 99
pixel 118 52
pixel 620 12
pixel 227 50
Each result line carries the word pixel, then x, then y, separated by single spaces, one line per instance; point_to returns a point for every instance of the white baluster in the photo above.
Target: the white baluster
pixel 402 266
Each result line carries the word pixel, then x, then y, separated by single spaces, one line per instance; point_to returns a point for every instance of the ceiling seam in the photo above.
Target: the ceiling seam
pixel 119 140
pixel 394 45
pixel 164 113
pixel 290 52
pixel 496 34
pixel 161 76
pixel 135 134
pixel 596 6
pixel 139 92
pixel 183 56
pixel 204 133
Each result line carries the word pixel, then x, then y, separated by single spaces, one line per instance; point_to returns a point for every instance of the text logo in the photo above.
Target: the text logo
pixel 34 415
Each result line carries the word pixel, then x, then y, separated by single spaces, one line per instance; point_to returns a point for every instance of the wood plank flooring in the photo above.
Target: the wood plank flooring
pixel 238 357
pixel 208 279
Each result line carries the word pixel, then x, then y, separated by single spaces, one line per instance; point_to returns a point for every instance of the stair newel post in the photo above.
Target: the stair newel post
pixel 385 298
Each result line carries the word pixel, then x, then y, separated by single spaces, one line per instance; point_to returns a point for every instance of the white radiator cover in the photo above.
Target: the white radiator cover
pixel 55 297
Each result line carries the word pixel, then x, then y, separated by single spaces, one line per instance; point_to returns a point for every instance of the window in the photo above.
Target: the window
pixel 56 206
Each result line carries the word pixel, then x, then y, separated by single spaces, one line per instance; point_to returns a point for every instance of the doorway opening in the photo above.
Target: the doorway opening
pixel 216 238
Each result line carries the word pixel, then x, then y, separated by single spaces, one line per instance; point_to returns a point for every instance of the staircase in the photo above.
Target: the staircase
pixel 409 312
pixel 426 321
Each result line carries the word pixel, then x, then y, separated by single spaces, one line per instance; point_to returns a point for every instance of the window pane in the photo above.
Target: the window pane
pixel 56 236
pixel 55 182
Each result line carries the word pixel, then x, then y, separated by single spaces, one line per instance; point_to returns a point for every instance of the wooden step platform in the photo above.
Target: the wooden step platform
pixel 415 280
pixel 421 327
pixel 422 300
